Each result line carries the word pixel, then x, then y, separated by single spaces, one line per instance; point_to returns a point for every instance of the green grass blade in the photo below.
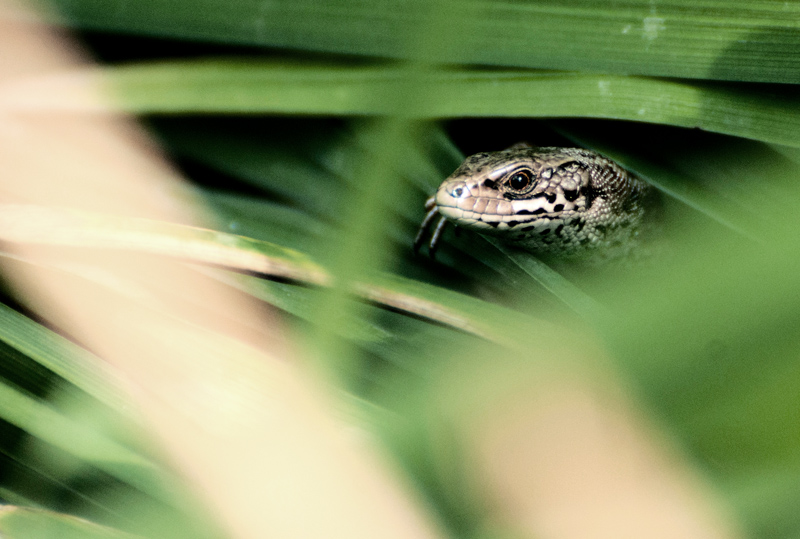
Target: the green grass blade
pixel 61 356
pixel 87 444
pixel 769 114
pixel 552 281
pixel 755 40
pixel 26 523
pixel 460 311
pixel 300 301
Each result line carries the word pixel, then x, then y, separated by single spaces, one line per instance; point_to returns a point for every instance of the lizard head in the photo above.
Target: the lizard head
pixel 500 191
pixel 563 201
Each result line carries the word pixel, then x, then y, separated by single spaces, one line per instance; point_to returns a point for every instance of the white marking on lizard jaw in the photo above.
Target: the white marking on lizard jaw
pixel 530 205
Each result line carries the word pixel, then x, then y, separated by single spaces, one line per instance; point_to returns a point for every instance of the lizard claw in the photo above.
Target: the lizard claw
pixel 424 228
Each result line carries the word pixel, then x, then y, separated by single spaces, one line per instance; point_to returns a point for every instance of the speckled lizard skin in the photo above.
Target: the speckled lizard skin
pixel 566 203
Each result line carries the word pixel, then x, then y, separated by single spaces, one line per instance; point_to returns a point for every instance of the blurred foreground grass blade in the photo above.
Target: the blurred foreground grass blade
pixel 26 523
pixel 754 40
pixel 771 113
pixel 712 340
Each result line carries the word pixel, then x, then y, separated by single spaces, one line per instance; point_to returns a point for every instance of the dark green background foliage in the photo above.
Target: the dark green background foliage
pixel 322 125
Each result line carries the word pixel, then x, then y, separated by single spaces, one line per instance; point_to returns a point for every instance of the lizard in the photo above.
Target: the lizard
pixel 561 203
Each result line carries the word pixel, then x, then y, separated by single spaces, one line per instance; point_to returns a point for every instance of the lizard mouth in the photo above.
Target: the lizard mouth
pixel 484 221
pixel 461 206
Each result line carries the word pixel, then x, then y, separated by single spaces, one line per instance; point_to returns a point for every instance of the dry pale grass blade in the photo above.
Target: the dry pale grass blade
pixel 259 437
pixel 562 453
pixel 590 470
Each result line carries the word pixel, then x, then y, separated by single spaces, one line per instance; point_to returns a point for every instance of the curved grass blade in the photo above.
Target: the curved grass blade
pixel 46 226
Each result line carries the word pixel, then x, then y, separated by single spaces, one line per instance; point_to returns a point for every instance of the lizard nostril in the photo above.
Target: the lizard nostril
pixel 458 191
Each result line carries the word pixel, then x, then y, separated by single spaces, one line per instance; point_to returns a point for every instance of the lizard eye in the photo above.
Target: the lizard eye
pixel 520 180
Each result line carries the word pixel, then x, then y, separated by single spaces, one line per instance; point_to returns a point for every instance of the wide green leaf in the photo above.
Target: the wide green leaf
pixel 770 113
pixel 755 40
